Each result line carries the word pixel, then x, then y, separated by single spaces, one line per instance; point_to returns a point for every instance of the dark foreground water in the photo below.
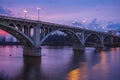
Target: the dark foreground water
pixel 61 63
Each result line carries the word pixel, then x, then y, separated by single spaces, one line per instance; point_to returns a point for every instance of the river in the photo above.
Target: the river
pixel 60 63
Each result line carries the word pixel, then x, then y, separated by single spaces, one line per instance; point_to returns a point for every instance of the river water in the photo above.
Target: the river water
pixel 61 63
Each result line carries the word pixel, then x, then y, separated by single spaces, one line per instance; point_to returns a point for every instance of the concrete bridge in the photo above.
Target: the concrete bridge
pixel 33 33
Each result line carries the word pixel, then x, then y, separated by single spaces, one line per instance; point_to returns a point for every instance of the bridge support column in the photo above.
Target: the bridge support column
pixel 31 52
pixel 37 34
pixel 80 49
pixel 100 47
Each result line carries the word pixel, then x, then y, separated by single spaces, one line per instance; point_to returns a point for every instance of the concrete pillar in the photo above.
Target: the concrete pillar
pixel 102 41
pixel 37 35
pixel 100 47
pixel 112 43
pixel 83 38
pixel 32 52
pixel 77 47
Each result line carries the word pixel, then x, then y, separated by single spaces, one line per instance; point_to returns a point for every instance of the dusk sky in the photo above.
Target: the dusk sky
pixel 63 11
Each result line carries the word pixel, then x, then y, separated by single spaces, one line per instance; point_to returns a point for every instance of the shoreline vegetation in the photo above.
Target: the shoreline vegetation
pixel 52 40
pixel 4 76
pixel 10 43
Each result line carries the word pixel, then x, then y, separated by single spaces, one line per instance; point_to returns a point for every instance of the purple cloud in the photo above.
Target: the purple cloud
pixel 4 11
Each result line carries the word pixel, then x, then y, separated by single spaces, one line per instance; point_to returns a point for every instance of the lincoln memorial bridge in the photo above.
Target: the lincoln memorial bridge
pixel 81 38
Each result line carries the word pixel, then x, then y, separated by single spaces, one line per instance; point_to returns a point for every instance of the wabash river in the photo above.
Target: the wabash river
pixel 60 63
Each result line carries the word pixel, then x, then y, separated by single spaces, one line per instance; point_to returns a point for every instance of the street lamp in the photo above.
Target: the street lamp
pixel 25 12
pixel 84 21
pixel 103 28
pixel 38 9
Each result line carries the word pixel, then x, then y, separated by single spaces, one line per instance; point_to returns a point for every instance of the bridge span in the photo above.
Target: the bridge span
pixel 32 34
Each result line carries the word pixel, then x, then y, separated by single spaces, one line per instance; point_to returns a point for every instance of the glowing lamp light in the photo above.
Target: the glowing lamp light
pixel 83 21
pixel 103 27
pixel 25 12
pixel 38 9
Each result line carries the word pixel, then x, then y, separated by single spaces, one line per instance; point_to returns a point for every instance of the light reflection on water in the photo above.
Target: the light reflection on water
pixel 61 63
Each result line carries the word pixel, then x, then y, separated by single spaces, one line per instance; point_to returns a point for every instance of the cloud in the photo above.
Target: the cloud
pixel 4 11
pixel 114 26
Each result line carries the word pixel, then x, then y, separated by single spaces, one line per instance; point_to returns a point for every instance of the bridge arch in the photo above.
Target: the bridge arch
pixel 11 24
pixel 92 39
pixel 107 41
pixel 116 41
pixel 31 31
pixel 25 29
pixel 19 27
pixel 70 33
pixel 24 39
pixel 46 30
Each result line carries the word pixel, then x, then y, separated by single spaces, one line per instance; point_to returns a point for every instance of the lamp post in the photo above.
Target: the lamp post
pixel 38 9
pixel 84 26
pixel 25 12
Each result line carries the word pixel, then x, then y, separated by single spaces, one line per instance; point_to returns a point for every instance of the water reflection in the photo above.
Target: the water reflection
pixel 78 57
pixel 103 57
pixel 78 67
pixel 30 70
pixel 74 74
pixel 94 58
pixel 13 50
pixel 80 73
pixel 55 70
pixel 62 64
pixel 118 54
pixel 40 69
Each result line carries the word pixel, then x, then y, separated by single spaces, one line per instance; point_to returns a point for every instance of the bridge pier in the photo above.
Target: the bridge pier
pixel 31 52
pixel 100 48
pixel 80 49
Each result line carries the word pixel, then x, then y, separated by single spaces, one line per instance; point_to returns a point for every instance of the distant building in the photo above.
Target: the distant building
pixel 10 39
pixel 112 32
pixel 7 38
pixel 2 38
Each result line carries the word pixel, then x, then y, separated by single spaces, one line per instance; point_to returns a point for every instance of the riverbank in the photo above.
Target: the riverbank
pixel 10 43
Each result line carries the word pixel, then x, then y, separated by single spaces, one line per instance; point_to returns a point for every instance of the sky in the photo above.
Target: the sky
pixel 63 11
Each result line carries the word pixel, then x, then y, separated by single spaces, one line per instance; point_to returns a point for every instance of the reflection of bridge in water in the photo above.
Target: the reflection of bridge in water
pixel 33 33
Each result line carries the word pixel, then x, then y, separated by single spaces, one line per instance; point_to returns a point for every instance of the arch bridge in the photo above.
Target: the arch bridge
pixel 33 33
